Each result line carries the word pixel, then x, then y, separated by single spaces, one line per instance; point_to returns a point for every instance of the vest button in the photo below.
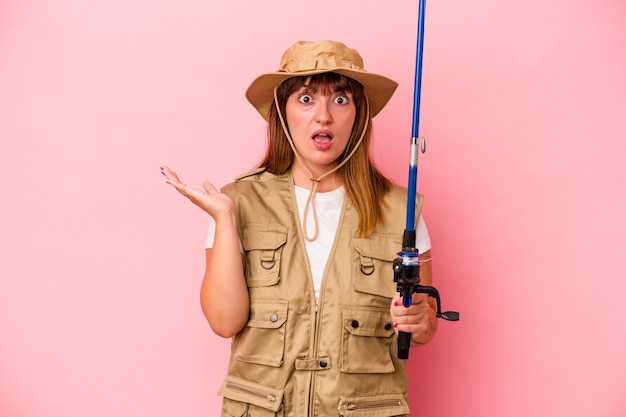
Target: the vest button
pixel 323 363
pixel 273 318
pixel 354 324
pixel 388 326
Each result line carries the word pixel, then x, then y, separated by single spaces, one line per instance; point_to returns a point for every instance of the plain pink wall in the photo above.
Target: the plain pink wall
pixel 523 107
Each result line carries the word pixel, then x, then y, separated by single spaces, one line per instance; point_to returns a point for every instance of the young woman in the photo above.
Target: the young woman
pixel 299 259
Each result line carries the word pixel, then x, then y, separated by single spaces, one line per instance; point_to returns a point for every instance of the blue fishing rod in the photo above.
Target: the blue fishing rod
pixel 407 266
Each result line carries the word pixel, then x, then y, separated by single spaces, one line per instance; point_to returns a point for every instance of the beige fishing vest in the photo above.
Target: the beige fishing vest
pixel 295 358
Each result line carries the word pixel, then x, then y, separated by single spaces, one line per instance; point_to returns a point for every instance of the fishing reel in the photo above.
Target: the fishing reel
pixel 406 270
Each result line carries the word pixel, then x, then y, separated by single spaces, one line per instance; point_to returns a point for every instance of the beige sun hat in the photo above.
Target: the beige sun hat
pixel 308 58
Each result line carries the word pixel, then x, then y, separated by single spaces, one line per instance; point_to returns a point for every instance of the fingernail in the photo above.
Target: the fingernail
pixel 395 325
pixel 395 303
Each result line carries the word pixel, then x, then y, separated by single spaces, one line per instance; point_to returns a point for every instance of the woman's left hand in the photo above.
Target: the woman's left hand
pixel 419 319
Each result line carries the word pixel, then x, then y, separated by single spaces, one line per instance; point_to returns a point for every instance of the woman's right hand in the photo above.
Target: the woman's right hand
pixel 209 199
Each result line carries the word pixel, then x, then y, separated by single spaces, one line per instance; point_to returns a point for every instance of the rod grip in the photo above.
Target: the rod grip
pixel 404 344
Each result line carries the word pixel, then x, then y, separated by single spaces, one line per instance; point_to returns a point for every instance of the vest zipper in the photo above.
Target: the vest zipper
pixel 255 393
pixel 312 381
pixel 369 405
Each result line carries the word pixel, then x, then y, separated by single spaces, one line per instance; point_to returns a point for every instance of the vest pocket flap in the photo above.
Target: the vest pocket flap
pixel 379 246
pixel 263 246
pixel 239 389
pixel 373 263
pixel 263 237
pixel 268 314
pixel 367 321
pixel 366 342
pixel 262 341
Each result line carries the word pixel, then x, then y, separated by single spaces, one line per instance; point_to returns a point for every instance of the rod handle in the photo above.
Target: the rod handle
pixel 404 344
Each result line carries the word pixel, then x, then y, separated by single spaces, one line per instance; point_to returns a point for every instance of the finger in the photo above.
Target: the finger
pixel 408 328
pixel 400 309
pixel 165 170
pixel 209 188
pixel 412 314
pixel 174 181
pixel 181 188
pixel 171 177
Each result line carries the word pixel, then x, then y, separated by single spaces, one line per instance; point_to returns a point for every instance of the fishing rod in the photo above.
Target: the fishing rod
pixel 407 266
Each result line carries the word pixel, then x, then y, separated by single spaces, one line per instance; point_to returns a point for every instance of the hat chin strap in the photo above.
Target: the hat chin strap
pixel 310 202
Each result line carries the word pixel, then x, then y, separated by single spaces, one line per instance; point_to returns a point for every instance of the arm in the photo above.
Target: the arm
pixel 223 295
pixel 420 318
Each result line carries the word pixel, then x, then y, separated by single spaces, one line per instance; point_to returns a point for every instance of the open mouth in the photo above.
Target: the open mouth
pixel 322 140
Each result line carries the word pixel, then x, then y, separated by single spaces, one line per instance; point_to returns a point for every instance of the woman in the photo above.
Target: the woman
pixel 299 266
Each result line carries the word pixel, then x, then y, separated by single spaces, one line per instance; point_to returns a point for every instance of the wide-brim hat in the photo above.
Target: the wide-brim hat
pixel 309 58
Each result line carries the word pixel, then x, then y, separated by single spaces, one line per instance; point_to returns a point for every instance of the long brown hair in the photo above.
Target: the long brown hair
pixel 365 185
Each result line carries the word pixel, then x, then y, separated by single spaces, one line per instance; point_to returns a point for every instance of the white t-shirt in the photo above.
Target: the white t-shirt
pixel 328 208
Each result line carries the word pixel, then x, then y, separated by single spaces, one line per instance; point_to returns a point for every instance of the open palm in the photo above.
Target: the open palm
pixel 209 199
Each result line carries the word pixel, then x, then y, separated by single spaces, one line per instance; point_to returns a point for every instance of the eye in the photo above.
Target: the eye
pixel 305 98
pixel 341 100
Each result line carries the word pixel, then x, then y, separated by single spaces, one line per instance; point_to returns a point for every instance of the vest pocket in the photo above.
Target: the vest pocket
pixel 366 340
pixel 374 406
pixel 373 264
pixel 263 246
pixel 249 399
pixel 262 341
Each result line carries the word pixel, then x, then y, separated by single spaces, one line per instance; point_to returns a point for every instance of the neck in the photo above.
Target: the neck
pixel 301 178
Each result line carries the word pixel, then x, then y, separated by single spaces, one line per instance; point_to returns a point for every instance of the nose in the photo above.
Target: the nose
pixel 322 112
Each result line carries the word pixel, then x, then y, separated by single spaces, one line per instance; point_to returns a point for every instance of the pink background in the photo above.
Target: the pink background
pixel 523 107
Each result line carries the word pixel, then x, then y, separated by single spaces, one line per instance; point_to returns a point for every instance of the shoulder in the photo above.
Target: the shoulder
pixel 256 177
pixel 250 175
pixel 397 191
pixel 397 197
pixel 260 175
